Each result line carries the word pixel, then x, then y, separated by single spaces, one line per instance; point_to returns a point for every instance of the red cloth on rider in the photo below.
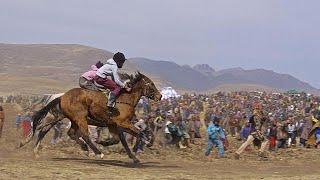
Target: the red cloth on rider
pixel 108 84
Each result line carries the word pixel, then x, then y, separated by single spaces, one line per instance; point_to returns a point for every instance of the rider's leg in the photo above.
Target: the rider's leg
pixel 114 88
pixel 111 99
pixel 115 92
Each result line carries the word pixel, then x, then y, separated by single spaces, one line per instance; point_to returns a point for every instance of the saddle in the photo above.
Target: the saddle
pixel 101 88
pixel 112 111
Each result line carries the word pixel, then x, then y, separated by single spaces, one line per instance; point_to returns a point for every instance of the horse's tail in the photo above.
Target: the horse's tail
pixel 37 118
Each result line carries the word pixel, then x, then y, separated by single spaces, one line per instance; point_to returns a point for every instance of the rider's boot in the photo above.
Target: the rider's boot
pixel 111 100
pixel 111 104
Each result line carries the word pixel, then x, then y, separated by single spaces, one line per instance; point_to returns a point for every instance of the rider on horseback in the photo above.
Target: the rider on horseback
pixel 108 77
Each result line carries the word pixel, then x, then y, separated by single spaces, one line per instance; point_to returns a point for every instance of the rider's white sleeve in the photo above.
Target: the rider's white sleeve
pixel 117 78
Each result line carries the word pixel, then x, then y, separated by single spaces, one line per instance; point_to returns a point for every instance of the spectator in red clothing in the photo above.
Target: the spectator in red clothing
pixel 26 124
pixel 273 135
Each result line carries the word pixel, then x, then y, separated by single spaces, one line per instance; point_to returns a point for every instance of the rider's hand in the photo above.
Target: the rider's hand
pixel 128 89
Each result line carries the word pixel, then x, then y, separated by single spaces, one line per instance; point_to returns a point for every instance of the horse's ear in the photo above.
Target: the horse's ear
pixel 135 73
pixel 139 74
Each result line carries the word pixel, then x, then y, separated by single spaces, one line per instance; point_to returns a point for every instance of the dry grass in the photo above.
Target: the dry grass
pixel 32 85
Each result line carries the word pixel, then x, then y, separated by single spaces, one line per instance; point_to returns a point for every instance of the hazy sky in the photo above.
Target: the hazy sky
pixel 280 35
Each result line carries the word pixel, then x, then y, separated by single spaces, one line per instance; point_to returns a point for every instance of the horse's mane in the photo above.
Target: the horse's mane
pixel 134 78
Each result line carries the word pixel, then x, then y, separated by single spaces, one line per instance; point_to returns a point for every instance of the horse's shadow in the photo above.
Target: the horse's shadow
pixel 116 163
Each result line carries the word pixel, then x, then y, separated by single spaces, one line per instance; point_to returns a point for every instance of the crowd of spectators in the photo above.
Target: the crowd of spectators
pixel 292 118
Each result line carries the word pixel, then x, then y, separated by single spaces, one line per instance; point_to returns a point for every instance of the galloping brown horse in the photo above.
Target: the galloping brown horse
pixel 82 107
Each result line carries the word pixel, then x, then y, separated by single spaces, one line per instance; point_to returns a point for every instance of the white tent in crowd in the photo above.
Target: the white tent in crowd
pixel 169 92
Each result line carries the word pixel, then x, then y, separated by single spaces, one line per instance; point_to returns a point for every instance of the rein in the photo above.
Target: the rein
pixel 150 95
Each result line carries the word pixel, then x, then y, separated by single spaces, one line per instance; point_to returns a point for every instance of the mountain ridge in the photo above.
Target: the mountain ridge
pixel 66 62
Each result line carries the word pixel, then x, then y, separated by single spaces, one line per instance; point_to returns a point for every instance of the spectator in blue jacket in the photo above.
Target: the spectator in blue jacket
pixel 18 121
pixel 216 135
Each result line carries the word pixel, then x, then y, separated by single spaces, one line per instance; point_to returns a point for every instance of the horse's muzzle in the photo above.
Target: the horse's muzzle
pixel 158 97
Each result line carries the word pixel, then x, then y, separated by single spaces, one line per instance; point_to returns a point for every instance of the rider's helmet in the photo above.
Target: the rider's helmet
pixel 119 58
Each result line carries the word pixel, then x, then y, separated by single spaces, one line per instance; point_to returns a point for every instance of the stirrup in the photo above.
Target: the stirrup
pixel 109 105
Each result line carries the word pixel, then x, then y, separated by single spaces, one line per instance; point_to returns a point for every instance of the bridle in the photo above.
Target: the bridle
pixel 149 93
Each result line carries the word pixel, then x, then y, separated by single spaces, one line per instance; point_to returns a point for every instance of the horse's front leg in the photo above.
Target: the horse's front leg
pixel 126 147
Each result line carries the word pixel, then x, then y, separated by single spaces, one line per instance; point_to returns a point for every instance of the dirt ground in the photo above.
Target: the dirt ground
pixel 65 161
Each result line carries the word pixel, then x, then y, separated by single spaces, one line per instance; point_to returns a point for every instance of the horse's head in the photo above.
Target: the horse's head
pixel 148 88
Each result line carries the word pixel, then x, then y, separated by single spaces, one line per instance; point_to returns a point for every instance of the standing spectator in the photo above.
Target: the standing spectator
pixel 306 128
pixel 233 123
pixel 167 133
pixel 2 116
pixel 183 127
pixel 173 134
pixel 191 128
pixel 197 126
pixel 291 133
pixel 18 121
pixel 272 135
pixel 282 137
pixel 141 126
pixel 26 124
pixel 157 123
pixel 245 131
pixel 216 136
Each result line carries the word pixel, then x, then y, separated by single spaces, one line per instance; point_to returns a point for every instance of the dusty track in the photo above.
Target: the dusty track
pixel 64 161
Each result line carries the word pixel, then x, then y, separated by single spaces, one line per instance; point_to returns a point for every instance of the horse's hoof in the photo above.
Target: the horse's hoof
pixel 237 156
pixel 91 154
pixel 20 145
pixel 36 156
pixel 136 161
pixel 149 145
pixel 100 156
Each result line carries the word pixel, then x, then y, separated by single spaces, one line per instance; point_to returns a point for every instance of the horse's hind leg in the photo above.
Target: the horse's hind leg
pixel 40 136
pixel 48 120
pixel 82 128
pixel 74 135
pixel 26 140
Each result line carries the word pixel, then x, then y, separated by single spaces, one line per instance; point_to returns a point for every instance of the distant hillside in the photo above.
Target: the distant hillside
pixel 205 69
pixel 266 78
pixel 59 62
pixel 46 68
pixel 178 76
pixel 203 77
